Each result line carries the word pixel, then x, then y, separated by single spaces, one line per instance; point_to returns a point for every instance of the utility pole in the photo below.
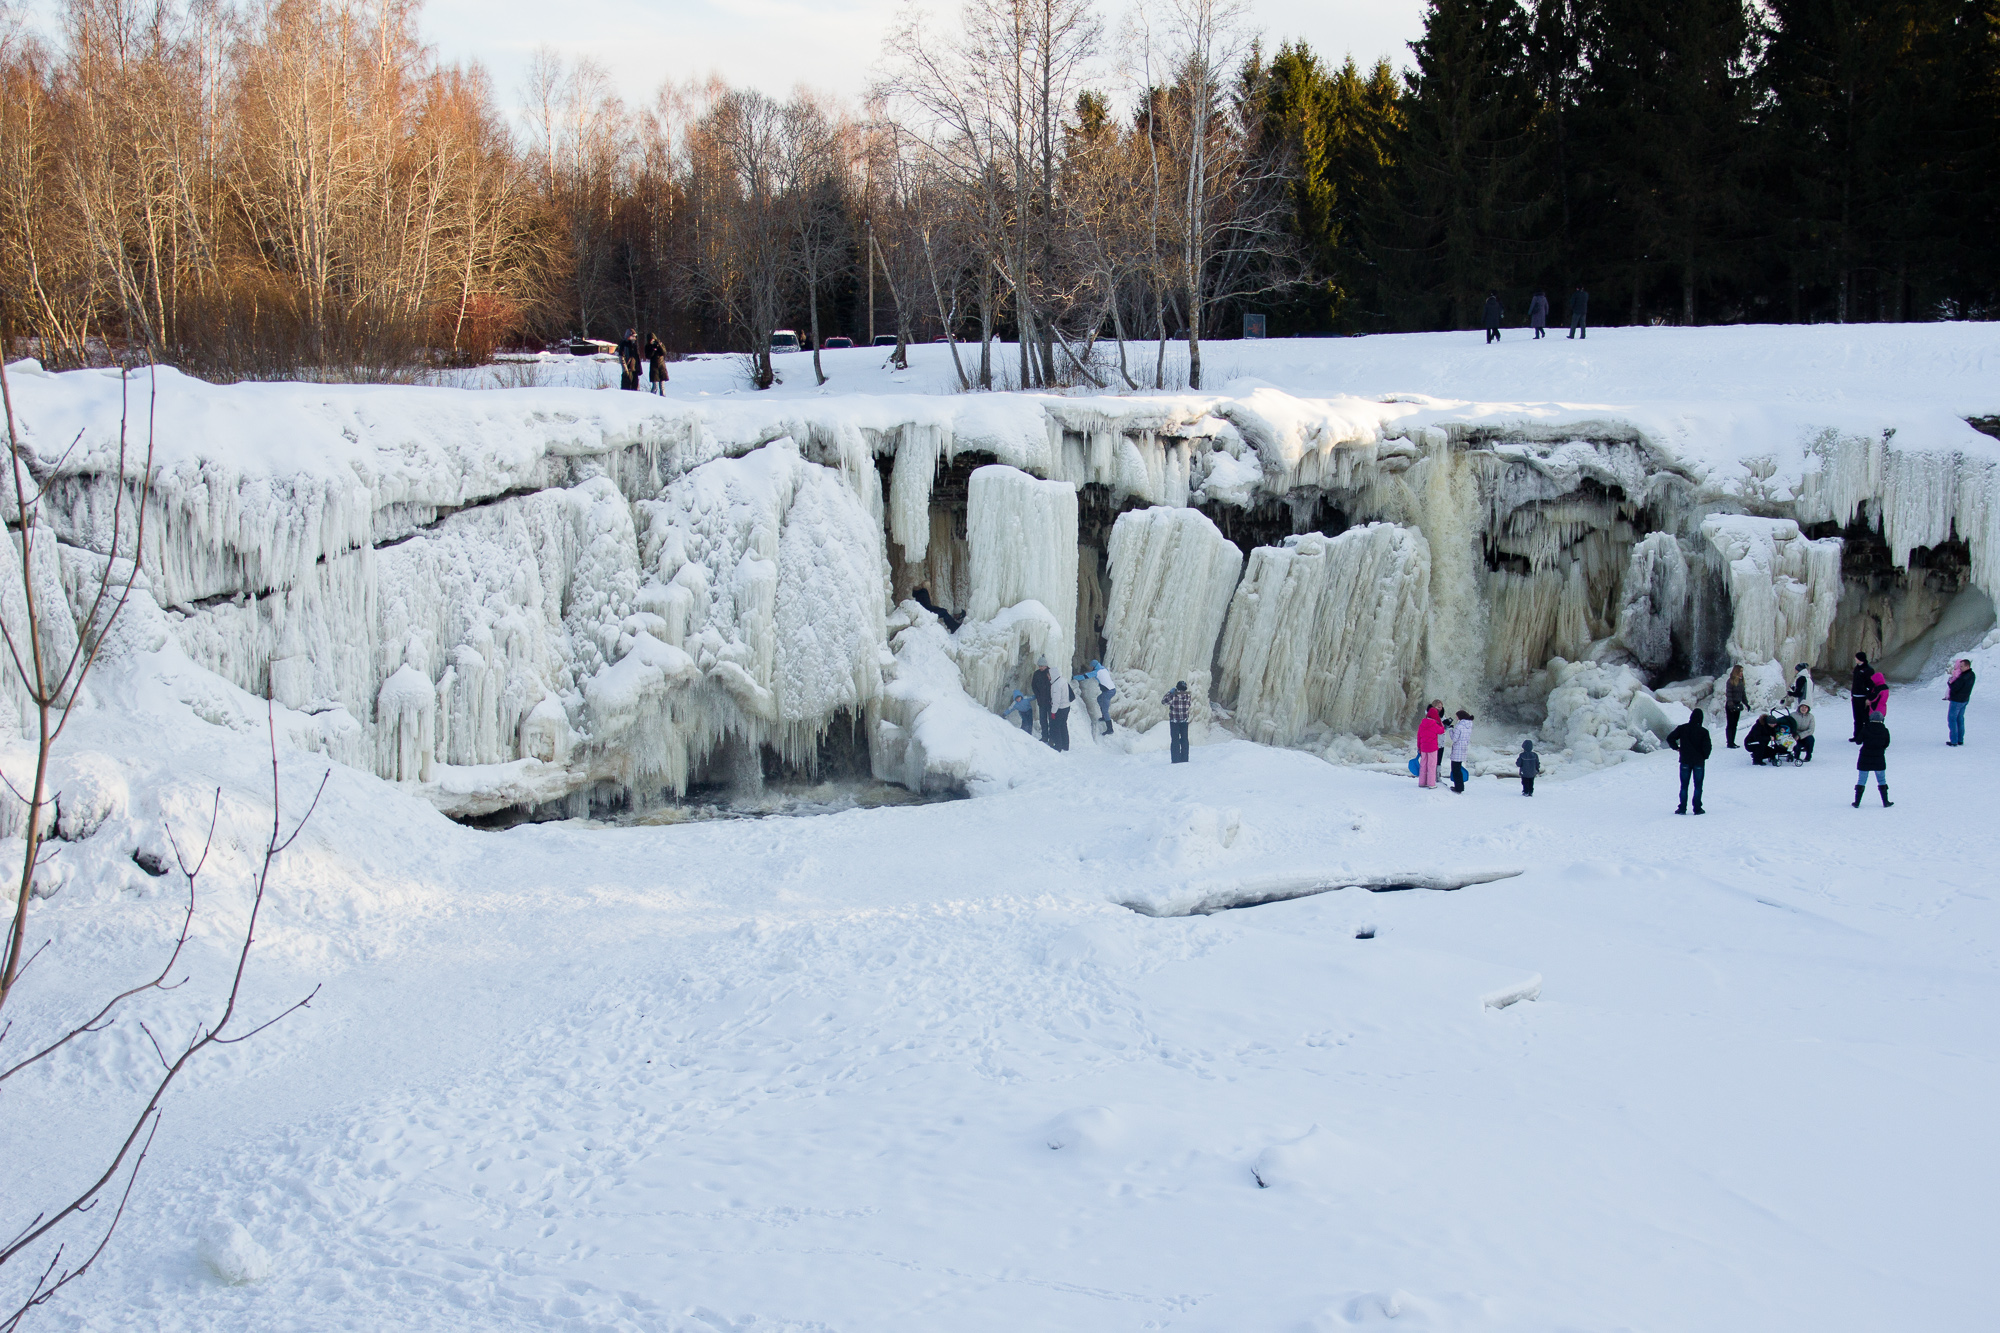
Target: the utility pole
pixel 871 281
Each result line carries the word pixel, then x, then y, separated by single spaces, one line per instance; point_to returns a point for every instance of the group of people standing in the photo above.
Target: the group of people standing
pixel 654 364
pixel 1053 693
pixel 1434 734
pixel 1538 314
pixel 1868 696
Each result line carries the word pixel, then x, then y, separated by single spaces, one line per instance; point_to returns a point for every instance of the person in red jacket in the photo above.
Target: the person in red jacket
pixel 1430 732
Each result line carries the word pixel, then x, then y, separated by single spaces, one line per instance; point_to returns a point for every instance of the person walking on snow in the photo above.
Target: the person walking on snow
pixel 1179 704
pixel 1858 690
pixel 1802 730
pixel 1026 708
pixel 1059 699
pixel 628 361
pixel 1538 314
pixel 1691 741
pixel 1528 764
pixel 656 363
pixel 1735 697
pixel 1430 735
pixel 1461 745
pixel 1044 692
pixel 1107 690
pixel 1579 313
pixel 1874 758
pixel 1493 313
pixel 1957 693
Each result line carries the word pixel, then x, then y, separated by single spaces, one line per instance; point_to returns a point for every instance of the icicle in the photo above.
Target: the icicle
pixel 1023 538
pixel 1783 588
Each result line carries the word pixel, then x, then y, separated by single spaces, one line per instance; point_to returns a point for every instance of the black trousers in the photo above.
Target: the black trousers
pixel 1457 776
pixel 1492 335
pixel 1859 703
pixel 1177 741
pixel 1059 729
pixel 1806 746
pixel 1576 327
pixel 1527 784
pixel 1729 716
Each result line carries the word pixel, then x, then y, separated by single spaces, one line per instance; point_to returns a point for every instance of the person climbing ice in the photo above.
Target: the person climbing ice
pixel 1957 694
pixel 1528 764
pixel 1107 690
pixel 1874 758
pixel 1025 706
pixel 1691 741
pixel 1179 705
pixel 922 597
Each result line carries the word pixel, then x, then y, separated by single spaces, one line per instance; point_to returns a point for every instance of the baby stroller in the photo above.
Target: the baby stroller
pixel 1783 738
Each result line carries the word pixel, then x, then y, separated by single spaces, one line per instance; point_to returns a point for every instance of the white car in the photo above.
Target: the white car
pixel 784 340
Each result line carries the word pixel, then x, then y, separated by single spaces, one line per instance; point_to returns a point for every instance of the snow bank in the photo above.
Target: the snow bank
pixel 933 736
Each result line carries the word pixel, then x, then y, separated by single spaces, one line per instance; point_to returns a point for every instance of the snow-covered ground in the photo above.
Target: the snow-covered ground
pixel 915 1069
pixel 923 1067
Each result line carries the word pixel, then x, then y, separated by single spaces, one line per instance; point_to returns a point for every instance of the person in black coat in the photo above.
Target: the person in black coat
pixel 1861 685
pixel 628 361
pixel 1042 688
pixel 922 597
pixel 1538 314
pixel 1874 758
pixel 1957 694
pixel 1579 313
pixel 656 363
pixel 1760 739
pixel 1691 741
pixel 1493 313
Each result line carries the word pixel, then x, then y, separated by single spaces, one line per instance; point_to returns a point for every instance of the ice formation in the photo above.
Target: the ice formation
pixel 547 597
pixel 1172 576
pixel 1022 533
pixel 1783 587
pixel 1327 633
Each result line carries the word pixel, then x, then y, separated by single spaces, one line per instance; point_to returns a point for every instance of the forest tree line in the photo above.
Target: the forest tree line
pixel 299 187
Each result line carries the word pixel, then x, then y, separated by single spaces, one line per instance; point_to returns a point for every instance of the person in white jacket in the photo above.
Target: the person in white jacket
pixel 1107 689
pixel 1059 698
pixel 1461 745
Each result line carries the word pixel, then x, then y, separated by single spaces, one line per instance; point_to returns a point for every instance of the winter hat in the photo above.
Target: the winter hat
pixel 1802 666
pixel 1180 684
pixel 1041 661
pixel 1527 747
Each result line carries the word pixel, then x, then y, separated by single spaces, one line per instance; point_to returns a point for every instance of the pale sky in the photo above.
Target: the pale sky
pixel 832 45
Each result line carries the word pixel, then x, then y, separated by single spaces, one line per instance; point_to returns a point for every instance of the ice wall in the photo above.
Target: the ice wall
pixel 1784 588
pixel 1328 634
pixel 1022 533
pixel 1172 577
pixel 1653 617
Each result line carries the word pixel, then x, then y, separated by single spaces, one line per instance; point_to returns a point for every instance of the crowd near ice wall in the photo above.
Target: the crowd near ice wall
pixel 537 596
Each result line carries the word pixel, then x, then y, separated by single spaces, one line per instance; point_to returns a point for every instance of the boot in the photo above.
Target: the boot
pixel 1883 792
pixel 1858 789
pixel 1698 810
pixel 1680 809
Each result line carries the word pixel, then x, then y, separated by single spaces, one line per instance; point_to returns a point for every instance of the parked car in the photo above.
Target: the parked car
pixel 784 340
pixel 828 344
pixel 885 340
pixel 592 347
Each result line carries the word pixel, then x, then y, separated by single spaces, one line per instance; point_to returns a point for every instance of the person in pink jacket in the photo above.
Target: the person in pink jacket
pixel 1430 732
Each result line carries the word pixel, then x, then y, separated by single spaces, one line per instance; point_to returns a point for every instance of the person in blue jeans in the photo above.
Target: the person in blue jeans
pixel 1957 693
pixel 1692 742
pixel 1874 758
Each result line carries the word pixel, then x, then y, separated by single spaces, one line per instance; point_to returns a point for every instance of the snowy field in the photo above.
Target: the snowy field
pixel 924 1067
pixel 915 1069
